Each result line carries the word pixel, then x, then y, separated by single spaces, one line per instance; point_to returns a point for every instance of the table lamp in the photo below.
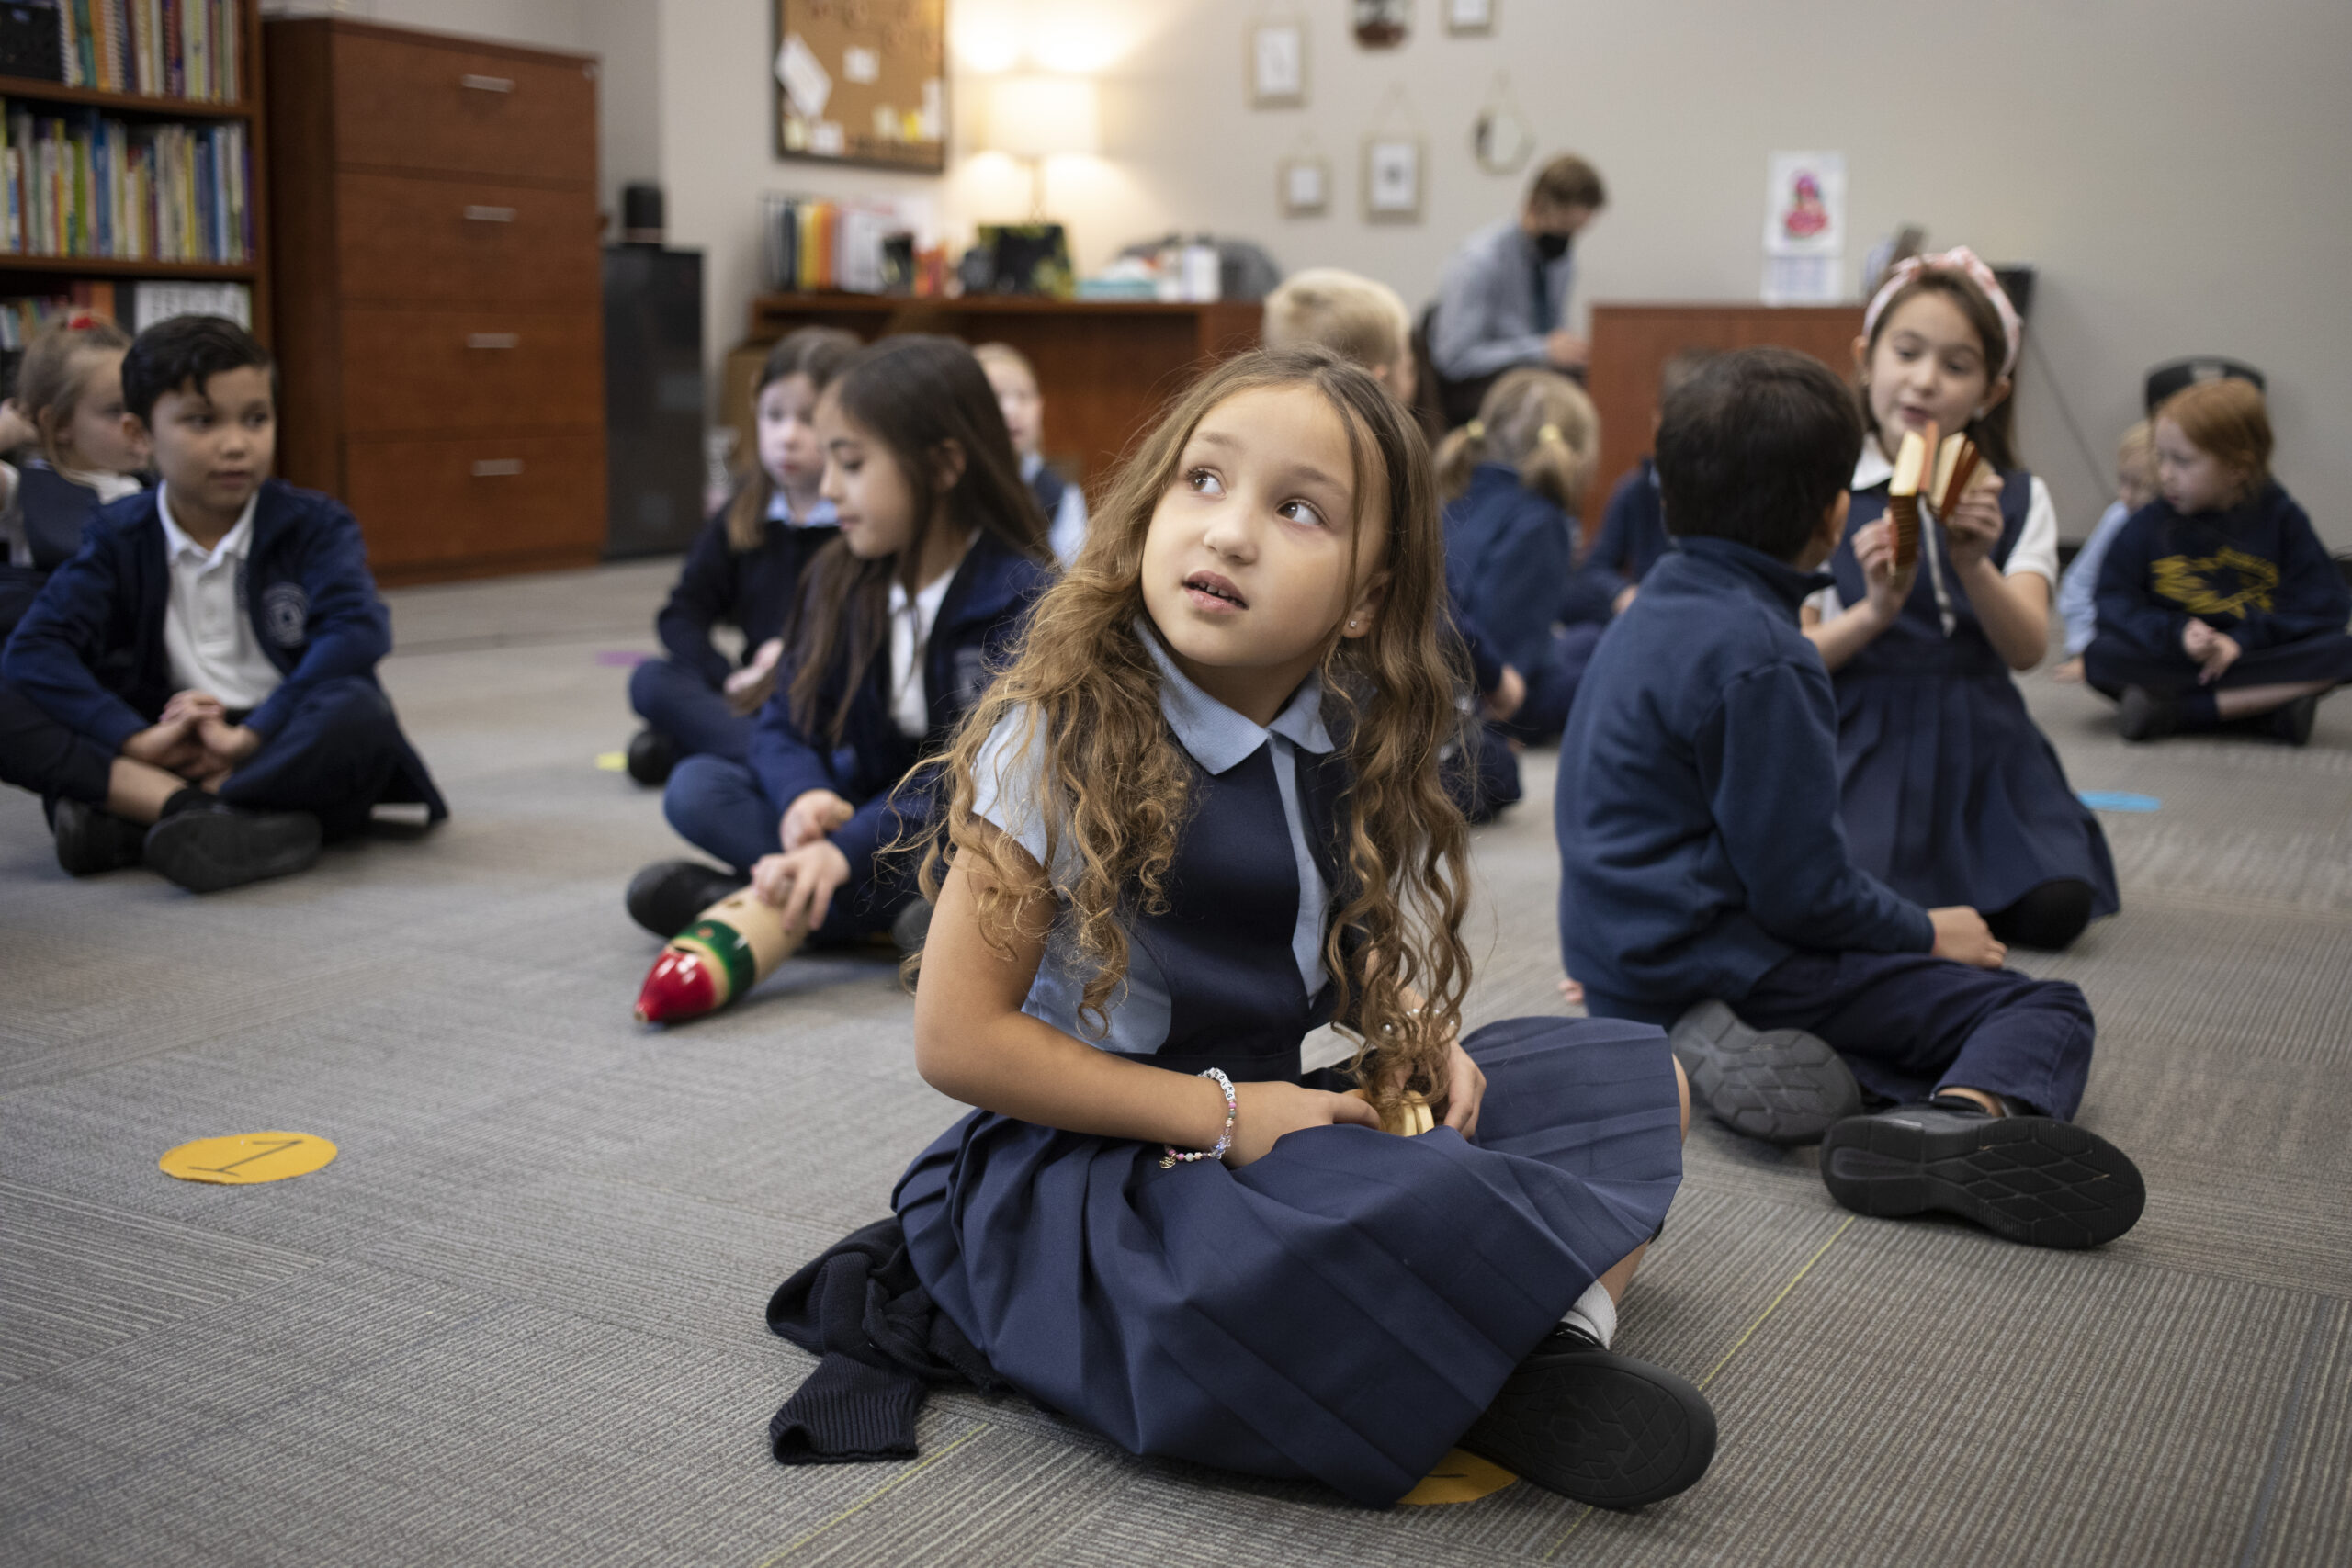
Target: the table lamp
pixel 1032 116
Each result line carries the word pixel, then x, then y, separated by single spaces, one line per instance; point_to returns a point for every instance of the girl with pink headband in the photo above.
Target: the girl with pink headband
pixel 1949 794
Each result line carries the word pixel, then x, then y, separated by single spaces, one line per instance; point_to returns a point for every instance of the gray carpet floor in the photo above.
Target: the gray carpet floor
pixel 518 1320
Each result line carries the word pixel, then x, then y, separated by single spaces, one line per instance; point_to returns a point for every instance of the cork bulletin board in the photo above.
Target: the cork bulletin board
pixel 862 82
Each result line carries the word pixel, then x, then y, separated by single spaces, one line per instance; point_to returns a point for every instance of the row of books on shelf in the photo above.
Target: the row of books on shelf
pixel 178 49
pixel 135 306
pixel 81 183
pixel 859 247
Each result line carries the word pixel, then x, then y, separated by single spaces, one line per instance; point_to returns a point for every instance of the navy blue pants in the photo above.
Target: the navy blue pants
pixel 40 754
pixel 2110 666
pixel 333 757
pixel 679 703
pixel 1909 1023
pixel 1552 684
pixel 719 807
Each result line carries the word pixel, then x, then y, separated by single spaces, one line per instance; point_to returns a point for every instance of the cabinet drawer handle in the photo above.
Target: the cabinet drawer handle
pixel 498 468
pixel 487 84
pixel 489 215
pixel 493 340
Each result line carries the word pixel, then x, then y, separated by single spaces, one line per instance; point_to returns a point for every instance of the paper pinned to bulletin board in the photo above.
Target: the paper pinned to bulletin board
pixel 862 82
pixel 1804 228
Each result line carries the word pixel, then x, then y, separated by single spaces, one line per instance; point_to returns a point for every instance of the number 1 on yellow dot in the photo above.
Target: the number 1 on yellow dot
pixel 241 1159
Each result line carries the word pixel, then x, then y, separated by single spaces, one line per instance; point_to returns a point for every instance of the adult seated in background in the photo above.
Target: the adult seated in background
pixel 1505 294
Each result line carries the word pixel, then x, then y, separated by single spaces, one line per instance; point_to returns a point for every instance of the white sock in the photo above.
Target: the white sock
pixel 1595 1314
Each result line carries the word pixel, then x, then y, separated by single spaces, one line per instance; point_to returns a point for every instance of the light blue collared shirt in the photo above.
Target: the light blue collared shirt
pixel 820 516
pixel 1486 316
pixel 1007 793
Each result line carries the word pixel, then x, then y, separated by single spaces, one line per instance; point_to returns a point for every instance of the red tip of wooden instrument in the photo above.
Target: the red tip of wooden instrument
pixel 680 986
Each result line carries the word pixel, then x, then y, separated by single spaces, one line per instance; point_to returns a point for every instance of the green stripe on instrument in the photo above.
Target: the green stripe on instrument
pixel 726 945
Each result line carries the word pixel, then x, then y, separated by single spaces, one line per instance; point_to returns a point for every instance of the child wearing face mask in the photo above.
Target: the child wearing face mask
pixel 901 620
pixel 743 571
pixel 1023 407
pixel 2135 486
pixel 1199 816
pixel 1951 795
pixel 2217 602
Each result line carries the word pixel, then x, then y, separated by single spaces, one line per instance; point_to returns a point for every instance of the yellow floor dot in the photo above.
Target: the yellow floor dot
pixel 613 761
pixel 243 1158
pixel 1459 1478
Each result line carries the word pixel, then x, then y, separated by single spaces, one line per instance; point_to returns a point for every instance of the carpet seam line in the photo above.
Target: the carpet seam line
pixel 874 1496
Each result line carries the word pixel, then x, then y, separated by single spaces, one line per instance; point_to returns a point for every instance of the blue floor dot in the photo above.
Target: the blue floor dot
pixel 2118 800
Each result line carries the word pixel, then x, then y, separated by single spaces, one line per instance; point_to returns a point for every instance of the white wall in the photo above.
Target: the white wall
pixel 2174 168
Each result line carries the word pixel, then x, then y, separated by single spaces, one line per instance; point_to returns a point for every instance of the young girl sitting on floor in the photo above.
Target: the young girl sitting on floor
pixel 900 622
pixel 743 571
pixel 2135 486
pixel 1198 816
pixel 1513 479
pixel 1949 794
pixel 2218 602
pixel 1023 407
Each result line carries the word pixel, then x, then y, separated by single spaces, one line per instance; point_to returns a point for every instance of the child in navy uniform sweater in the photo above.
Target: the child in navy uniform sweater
pixel 744 570
pixel 221 634
pixel 1705 880
pixel 2218 602
pixel 901 621
pixel 1633 528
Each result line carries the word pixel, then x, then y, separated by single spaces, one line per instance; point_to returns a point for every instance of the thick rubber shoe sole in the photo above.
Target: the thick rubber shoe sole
pixel 2026 1178
pixel 207 852
pixel 91 840
pixel 1781 1085
pixel 1597 1428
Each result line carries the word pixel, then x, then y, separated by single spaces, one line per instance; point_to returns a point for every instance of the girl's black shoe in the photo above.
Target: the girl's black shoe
pixel 209 845
pixel 1581 1420
pixel 666 895
pixel 651 756
pixel 91 839
pixel 2032 1179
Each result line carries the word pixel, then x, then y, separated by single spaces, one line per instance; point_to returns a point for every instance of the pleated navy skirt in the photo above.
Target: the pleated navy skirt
pixel 1340 1310
pixel 1951 795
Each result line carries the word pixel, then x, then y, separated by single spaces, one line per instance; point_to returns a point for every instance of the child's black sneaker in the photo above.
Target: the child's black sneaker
pixel 2032 1179
pixel 2293 722
pixel 212 846
pixel 666 895
pixel 2143 715
pixel 651 755
pixel 1781 1085
pixel 91 839
pixel 1577 1418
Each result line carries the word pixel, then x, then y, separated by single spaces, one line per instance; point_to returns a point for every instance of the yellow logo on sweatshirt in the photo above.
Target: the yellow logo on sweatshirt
pixel 2189 581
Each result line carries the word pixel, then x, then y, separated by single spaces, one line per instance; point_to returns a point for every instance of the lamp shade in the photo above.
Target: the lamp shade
pixel 1036 115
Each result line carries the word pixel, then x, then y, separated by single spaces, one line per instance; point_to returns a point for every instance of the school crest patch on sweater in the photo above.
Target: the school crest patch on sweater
pixel 285 613
pixel 2222 583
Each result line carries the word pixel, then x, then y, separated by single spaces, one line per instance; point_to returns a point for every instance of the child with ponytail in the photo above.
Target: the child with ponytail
pixel 1951 795
pixel 1199 816
pixel 1512 480
pixel 900 622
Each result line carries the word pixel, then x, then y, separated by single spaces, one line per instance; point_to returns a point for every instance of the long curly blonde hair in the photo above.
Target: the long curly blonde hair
pixel 1116 781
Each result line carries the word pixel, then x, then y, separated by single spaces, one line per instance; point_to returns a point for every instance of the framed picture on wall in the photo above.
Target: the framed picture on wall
pixel 1464 18
pixel 1278 65
pixel 863 83
pixel 1392 179
pixel 1303 187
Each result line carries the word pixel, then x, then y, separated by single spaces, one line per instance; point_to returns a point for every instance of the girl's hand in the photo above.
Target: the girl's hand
pixel 2195 637
pixel 1264 1111
pixel 1889 585
pixel 812 816
pixel 749 687
pixel 2221 651
pixel 801 883
pixel 1466 1086
pixel 1975 525
pixel 1962 936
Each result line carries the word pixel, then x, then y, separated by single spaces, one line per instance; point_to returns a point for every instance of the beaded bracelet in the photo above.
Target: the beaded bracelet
pixel 1225 1141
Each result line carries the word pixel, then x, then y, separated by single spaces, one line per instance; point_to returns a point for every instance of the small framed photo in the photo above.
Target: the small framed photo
pixel 1303 187
pixel 1392 179
pixel 1278 65
pixel 1469 17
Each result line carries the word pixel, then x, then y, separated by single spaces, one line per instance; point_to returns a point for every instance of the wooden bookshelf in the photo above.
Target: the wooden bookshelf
pixel 37 268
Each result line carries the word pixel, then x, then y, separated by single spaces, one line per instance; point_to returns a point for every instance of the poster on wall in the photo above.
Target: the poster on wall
pixel 1278 64
pixel 1804 228
pixel 1392 179
pixel 862 82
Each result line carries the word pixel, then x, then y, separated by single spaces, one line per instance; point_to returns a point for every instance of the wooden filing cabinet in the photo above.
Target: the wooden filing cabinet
pixel 438 303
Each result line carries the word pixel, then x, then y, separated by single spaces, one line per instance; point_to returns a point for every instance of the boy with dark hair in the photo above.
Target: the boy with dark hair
pixel 219 634
pixel 1705 882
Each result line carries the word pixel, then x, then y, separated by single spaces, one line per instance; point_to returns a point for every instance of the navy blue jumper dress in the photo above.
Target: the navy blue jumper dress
pixel 1951 795
pixel 1344 1308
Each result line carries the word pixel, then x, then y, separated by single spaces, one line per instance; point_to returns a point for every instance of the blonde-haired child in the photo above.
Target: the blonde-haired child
pixel 1196 817
pixel 2218 602
pixel 1014 382
pixel 2135 486
pixel 1513 479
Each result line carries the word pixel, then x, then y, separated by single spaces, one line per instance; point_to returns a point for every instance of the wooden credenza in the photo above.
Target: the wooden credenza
pixel 438 305
pixel 1630 344
pixel 1103 367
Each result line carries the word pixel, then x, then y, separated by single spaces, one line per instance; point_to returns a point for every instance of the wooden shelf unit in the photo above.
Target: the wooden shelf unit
pixel 35 266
